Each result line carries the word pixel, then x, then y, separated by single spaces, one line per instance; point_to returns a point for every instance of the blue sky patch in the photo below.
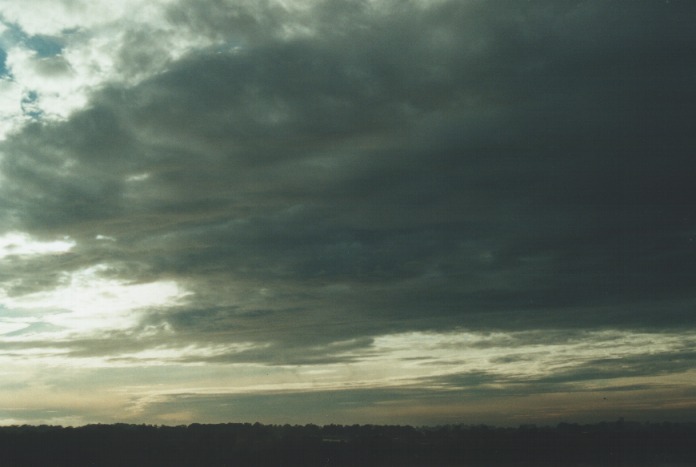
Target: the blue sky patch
pixel 30 106
pixel 44 46
pixel 3 63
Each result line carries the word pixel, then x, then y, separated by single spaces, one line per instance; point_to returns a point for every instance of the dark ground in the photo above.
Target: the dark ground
pixel 243 444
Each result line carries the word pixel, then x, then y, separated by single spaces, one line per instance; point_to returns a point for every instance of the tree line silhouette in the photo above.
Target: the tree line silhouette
pixel 245 444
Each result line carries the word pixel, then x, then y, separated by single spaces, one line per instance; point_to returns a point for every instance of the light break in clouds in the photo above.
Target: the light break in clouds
pixel 346 211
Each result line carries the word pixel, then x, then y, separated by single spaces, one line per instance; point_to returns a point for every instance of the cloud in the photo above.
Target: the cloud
pixel 309 178
pixel 304 161
pixel 57 53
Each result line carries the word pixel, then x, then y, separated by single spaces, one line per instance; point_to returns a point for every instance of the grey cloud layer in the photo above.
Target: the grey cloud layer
pixel 467 164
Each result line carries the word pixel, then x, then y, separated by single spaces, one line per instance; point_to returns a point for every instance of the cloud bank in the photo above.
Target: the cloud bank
pixel 253 193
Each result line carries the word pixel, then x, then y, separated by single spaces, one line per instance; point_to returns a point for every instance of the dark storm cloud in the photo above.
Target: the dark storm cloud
pixel 468 164
pixel 27 275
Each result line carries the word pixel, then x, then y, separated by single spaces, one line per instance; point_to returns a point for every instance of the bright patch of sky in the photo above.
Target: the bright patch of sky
pixel 20 244
pixel 84 303
pixel 88 303
pixel 517 355
pixel 134 384
pixel 53 54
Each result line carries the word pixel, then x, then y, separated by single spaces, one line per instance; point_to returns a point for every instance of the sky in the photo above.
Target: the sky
pixel 348 211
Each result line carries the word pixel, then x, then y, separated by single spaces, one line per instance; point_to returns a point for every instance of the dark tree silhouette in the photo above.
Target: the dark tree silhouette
pixel 244 444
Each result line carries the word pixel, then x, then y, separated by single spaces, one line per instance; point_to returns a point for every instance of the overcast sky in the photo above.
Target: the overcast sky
pixel 347 211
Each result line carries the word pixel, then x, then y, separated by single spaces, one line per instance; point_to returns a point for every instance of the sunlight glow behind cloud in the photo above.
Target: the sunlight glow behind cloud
pixel 87 302
pixel 21 244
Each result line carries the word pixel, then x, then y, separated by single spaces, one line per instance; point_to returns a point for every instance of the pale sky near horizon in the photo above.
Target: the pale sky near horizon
pixel 347 211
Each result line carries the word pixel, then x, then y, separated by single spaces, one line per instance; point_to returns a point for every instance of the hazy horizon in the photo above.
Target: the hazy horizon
pixel 347 211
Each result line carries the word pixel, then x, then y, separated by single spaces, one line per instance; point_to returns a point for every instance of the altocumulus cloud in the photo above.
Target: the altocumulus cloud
pixel 384 205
